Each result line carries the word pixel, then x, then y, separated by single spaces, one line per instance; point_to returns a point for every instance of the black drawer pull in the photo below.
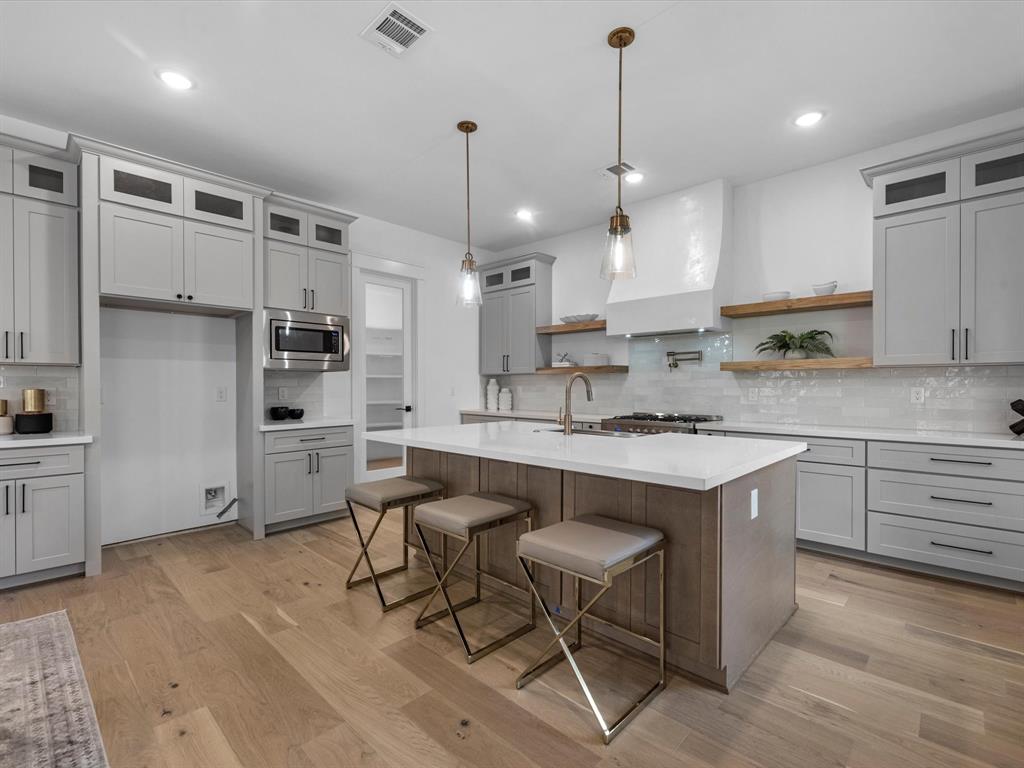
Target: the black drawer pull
pixel 21 464
pixel 963 501
pixel 311 439
pixel 965 549
pixel 962 461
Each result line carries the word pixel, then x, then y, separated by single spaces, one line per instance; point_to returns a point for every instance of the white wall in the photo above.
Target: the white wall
pixel 164 433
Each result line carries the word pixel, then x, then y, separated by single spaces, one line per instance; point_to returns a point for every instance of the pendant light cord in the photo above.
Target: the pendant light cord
pixel 618 177
pixel 468 251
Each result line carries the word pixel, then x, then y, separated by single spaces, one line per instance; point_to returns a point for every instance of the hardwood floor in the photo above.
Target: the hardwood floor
pixel 209 649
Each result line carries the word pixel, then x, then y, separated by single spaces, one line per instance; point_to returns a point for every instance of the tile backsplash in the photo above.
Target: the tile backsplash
pixel 305 390
pixel 966 398
pixel 60 383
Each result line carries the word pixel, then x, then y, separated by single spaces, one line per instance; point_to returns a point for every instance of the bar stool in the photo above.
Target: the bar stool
pixel 466 518
pixel 595 549
pixel 382 496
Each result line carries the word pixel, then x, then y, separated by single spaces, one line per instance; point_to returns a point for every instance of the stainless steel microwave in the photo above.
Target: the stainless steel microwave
pixel 305 341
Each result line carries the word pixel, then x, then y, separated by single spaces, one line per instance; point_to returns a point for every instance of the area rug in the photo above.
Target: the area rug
pixel 46 715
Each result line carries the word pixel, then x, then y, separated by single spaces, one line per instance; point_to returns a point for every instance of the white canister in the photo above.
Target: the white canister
pixel 505 399
pixel 6 425
pixel 491 401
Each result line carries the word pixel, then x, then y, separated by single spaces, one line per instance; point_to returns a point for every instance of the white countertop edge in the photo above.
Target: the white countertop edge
pixel 772 455
pixel 49 440
pixel 880 434
pixel 288 424
pixel 590 418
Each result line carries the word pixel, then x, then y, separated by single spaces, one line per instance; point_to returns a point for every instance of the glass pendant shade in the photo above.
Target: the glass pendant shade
pixel 618 261
pixel 469 284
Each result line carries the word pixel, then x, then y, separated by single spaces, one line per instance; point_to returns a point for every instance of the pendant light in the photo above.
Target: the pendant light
pixel 469 283
pixel 618 262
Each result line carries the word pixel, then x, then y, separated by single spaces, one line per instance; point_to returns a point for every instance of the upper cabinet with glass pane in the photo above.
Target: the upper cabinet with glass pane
pixel 44 178
pixel 920 187
pixel 129 183
pixel 6 158
pixel 992 171
pixel 306 226
pixel 217 204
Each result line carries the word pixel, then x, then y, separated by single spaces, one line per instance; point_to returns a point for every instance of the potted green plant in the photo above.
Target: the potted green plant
pixel 798 345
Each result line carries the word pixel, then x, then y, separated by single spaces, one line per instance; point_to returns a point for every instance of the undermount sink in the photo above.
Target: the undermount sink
pixel 595 432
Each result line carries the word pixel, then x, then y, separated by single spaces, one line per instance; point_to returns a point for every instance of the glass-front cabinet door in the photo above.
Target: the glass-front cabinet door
pixel 140 186
pixel 217 204
pixel 919 187
pixel 45 178
pixel 993 171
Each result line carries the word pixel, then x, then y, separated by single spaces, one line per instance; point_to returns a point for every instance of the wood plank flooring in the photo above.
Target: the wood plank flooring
pixel 209 649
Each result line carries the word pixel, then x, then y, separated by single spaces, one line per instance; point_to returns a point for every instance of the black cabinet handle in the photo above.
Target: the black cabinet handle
pixel 963 501
pixel 7 351
pixel 180 296
pixel 21 464
pixel 7 499
pixel 305 298
pixel 961 461
pixel 312 439
pixel 406 408
pixel 952 344
pixel 23 510
pixel 965 549
pixel 189 297
pixel 312 298
pixel 967 343
pixel 318 462
pixel 21 334
pixel 309 470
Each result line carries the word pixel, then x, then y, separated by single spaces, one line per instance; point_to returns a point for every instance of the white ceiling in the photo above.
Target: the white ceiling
pixel 288 95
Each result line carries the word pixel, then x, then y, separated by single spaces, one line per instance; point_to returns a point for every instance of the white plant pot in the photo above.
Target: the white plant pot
pixel 795 354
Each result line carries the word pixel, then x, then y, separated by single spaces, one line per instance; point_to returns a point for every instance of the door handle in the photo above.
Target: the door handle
pixel 309 469
pixel 952 344
pixel 963 501
pixel 23 510
pixel 967 343
pixel 312 298
pixel 965 549
pixel 406 408
pixel 305 298
pixel 7 500
pixel 21 335
pixel 318 462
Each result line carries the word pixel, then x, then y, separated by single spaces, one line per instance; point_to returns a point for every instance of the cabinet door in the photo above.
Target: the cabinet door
pixel 992 171
pixel 141 253
pixel 217 204
pixel 522 330
pixel 330 278
pixel 50 527
pixel 289 486
pixel 46 282
pixel 494 279
pixel 286 271
pixel 45 178
pixel 914 188
pixel 493 333
pixel 917 288
pixel 333 471
pixel 132 184
pixel 329 234
pixel 6 172
pixel 830 504
pixel 8 348
pixel 287 224
pixel 8 514
pixel 992 279
pixel 218 266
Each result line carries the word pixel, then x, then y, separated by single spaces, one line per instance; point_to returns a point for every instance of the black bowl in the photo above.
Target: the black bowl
pixel 279 412
pixel 295 413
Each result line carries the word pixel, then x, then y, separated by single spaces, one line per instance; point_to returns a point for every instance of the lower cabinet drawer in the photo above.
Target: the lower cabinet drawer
pixel 963 547
pixel 964 500
pixel 307 439
pixel 41 462
pixel 827 450
pixel 830 504
pixel 990 463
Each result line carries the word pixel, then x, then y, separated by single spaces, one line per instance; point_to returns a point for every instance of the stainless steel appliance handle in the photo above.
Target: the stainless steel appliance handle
pixel 963 501
pixel 965 549
pixel 961 461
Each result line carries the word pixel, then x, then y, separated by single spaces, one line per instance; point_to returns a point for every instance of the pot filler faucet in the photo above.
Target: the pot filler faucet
pixel 567 418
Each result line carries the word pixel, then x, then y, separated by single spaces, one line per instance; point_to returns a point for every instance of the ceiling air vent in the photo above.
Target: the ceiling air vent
pixel 395 30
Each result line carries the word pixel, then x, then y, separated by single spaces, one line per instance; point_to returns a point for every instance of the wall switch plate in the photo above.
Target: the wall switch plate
pixel 282 393
pixel 752 394
pixel 917 395
pixel 222 394
pixel 51 396
pixel 753 504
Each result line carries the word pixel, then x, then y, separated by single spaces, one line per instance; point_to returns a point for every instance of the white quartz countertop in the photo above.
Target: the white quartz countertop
pixel 697 462
pixel 281 426
pixel 51 439
pixel 542 415
pixel 967 439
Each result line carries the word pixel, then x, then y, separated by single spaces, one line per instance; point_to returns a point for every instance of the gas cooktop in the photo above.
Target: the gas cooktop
pixel 657 422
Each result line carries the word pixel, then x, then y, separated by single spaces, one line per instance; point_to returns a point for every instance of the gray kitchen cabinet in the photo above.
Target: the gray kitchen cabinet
pixel 216 204
pixel 493 333
pixel 919 187
pixel 285 224
pixel 8 347
pixel 45 255
pixel 6 169
pixel 992 171
pixel 141 253
pixel 524 355
pixel 128 183
pixel 218 265
pixel 328 234
pixel 992 279
pixel 44 178
pixel 516 299
pixel 289 486
pixel 831 504
pixel 333 472
pixel 917 287
pixel 8 516
pixel 50 525
pixel 330 277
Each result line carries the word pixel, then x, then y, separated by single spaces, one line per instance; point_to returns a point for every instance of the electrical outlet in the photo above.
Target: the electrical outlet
pixel 51 397
pixel 753 504
pixel 282 393
pixel 222 394
pixel 752 394
pixel 917 395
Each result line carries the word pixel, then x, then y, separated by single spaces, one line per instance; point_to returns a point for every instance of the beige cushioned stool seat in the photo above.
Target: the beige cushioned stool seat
pixel 460 513
pixel 590 545
pixel 393 492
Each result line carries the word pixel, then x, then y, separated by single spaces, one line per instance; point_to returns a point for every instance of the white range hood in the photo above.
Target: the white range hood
pixel 684 266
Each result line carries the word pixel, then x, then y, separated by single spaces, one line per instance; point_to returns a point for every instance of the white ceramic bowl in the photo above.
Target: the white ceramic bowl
pixel 579 318
pixel 775 296
pixel 825 289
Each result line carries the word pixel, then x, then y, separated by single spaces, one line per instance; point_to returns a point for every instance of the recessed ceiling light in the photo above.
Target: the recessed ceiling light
pixel 634 177
pixel 808 119
pixel 174 80
pixel 524 214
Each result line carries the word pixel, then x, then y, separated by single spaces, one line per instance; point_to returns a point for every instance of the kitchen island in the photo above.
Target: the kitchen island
pixel 727 509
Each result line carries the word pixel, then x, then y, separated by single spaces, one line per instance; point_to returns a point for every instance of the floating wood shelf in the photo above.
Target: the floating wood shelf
pixel 587 369
pixel 805 304
pixel 590 325
pixel 798 365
